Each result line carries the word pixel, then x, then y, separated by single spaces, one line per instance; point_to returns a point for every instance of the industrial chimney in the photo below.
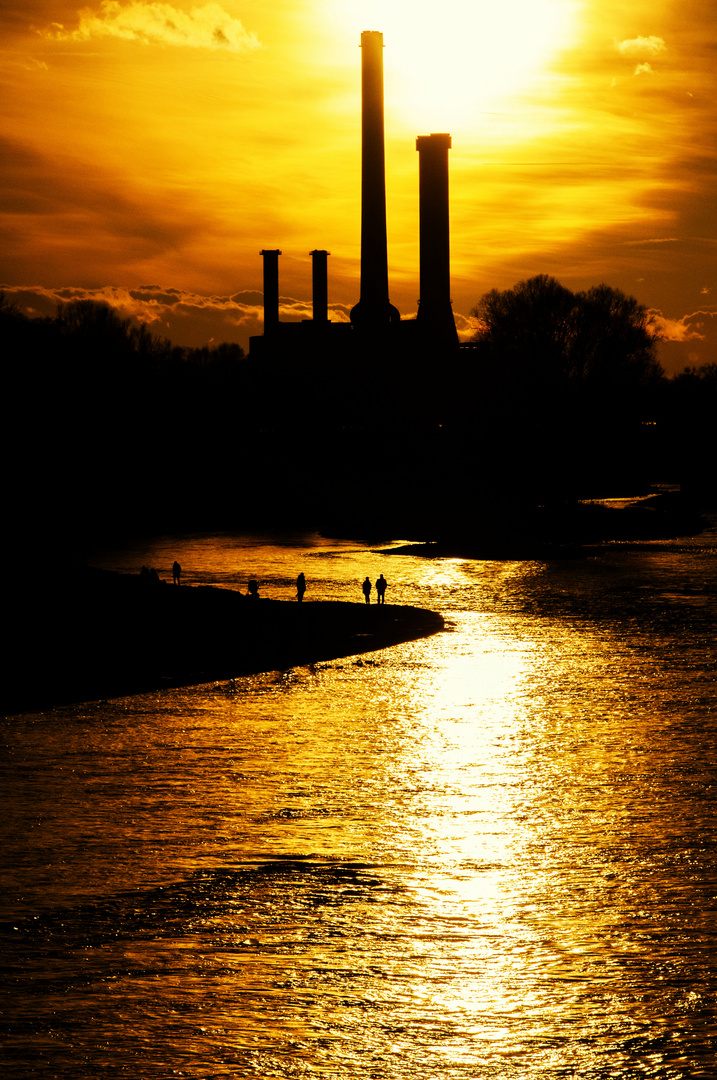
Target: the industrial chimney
pixel 435 314
pixel 374 310
pixel 319 281
pixel 271 291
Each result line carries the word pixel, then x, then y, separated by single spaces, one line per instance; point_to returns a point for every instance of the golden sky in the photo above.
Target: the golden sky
pixel 151 150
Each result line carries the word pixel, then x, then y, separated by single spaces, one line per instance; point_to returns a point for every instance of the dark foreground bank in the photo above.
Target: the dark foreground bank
pixel 98 634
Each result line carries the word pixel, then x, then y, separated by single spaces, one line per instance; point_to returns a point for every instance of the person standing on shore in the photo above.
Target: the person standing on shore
pixel 300 587
pixel 176 571
pixel 367 589
pixel 381 590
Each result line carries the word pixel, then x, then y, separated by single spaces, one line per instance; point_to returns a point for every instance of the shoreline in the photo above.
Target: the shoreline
pixel 100 635
pixel 569 533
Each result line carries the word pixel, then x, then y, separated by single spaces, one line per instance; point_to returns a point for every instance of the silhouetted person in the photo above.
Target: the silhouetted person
pixel 300 587
pixel 176 571
pixel 381 589
pixel 367 589
pixel 254 589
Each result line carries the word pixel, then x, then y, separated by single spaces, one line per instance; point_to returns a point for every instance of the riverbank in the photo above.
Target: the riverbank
pixel 569 532
pixel 98 634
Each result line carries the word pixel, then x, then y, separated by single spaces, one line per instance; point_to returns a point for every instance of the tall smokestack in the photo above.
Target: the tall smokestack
pixel 320 286
pixel 435 314
pixel 271 291
pixel 373 311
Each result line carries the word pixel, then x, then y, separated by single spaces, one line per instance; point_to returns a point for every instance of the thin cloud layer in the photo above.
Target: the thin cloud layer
pixel 207 27
pixel 185 318
pixel 191 319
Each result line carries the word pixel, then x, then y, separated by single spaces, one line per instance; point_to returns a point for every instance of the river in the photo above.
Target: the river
pixel 488 853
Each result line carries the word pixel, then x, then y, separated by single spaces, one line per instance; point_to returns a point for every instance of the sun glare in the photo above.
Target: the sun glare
pixel 447 63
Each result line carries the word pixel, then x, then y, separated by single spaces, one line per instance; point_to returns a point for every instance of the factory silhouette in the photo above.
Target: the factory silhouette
pixel 375 322
pixel 378 427
pixel 396 438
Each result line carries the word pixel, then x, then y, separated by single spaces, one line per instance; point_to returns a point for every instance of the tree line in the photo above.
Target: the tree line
pixel 587 393
pixel 559 396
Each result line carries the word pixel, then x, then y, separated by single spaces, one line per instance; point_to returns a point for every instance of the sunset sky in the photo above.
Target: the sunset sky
pixel 151 150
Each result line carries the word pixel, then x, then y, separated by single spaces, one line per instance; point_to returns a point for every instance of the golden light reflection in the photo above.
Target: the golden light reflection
pixel 472 711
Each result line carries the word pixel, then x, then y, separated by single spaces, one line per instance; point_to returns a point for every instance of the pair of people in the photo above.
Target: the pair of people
pixel 381 586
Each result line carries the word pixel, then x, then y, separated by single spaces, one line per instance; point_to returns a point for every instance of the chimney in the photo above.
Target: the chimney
pixel 319 285
pixel 373 311
pixel 271 291
pixel 435 314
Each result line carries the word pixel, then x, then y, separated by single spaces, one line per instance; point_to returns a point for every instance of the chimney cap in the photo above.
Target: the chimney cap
pixel 439 139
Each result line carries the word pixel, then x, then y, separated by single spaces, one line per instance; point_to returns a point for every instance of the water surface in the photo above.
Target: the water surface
pixel 489 853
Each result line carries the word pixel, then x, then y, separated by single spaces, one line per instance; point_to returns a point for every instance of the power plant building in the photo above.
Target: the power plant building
pixel 373 317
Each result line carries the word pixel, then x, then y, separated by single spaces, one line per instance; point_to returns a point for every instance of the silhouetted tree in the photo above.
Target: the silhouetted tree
pixel 111 427
pixel 699 380
pixel 528 331
pixel 614 342
pixel 687 426
pixel 92 320
pixel 542 335
pixel 562 380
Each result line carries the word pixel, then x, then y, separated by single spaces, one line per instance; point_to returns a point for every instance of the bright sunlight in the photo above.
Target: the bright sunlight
pixel 449 62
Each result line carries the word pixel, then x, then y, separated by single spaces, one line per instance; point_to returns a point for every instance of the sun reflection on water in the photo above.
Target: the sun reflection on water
pixel 486 853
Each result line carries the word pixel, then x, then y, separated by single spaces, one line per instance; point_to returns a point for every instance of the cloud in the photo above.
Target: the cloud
pixel 207 27
pixel 643 69
pixel 694 327
pixel 652 240
pixel 185 318
pixel 31 64
pixel 466 326
pixel 641 46
pixel 686 341
pixel 191 319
